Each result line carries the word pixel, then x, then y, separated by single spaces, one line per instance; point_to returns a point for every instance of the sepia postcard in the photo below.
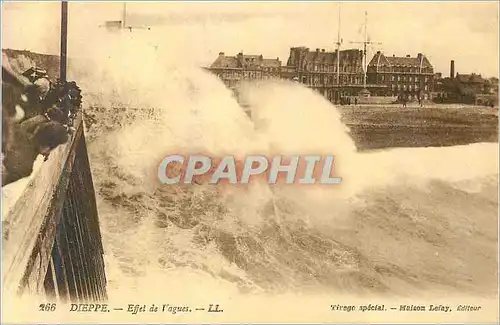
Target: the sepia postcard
pixel 250 162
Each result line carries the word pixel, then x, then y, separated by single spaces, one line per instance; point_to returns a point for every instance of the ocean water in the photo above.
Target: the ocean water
pixel 402 222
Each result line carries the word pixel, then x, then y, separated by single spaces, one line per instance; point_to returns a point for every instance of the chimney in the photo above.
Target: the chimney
pixel 221 53
pixel 452 69
pixel 420 56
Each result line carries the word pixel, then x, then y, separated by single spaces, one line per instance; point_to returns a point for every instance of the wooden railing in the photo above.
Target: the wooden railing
pixel 51 237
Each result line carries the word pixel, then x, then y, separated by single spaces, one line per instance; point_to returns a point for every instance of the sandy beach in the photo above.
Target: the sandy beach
pixel 436 125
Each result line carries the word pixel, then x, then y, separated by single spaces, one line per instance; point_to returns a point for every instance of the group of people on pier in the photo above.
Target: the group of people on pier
pixel 37 117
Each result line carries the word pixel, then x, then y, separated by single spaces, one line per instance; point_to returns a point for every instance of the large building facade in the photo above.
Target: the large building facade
pixel 234 69
pixel 318 70
pixel 409 77
pixel 315 69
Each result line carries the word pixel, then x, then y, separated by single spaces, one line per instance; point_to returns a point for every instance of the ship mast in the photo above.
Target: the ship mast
pixel 365 43
pixel 364 50
pixel 339 42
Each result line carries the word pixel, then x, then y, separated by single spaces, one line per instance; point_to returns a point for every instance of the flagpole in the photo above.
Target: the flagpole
pixel 124 14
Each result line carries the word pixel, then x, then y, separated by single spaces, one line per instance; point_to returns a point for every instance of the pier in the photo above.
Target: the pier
pixel 51 238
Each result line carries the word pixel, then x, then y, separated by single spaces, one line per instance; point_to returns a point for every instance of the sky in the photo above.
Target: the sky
pixel 466 32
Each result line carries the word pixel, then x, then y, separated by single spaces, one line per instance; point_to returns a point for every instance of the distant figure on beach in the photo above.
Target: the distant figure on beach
pixel 355 100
